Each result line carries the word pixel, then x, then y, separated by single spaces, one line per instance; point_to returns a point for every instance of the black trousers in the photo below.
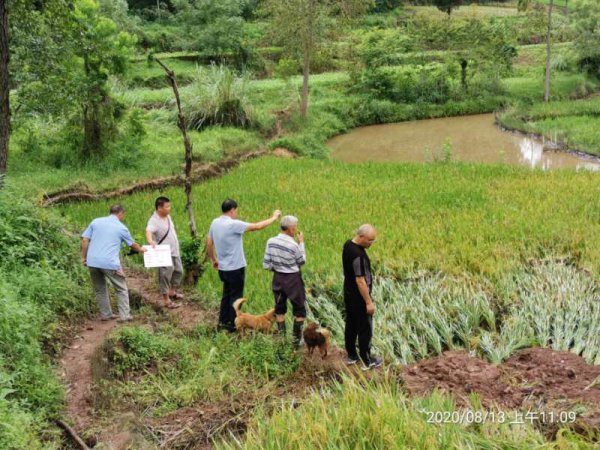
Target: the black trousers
pixel 358 325
pixel 233 288
pixel 289 286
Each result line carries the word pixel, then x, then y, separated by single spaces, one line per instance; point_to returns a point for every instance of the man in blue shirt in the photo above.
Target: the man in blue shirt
pixel 225 235
pixel 100 247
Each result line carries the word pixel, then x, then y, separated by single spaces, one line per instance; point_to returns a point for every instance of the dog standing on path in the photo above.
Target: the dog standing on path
pixel 317 337
pixel 245 321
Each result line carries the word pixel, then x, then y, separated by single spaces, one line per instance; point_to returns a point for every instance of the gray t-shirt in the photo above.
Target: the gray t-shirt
pixel 226 233
pixel 158 226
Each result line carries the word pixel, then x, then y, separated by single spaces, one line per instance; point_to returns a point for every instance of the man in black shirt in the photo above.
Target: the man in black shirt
pixel 360 308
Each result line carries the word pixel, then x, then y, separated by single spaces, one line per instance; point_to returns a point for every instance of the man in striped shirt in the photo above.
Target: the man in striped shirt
pixel 284 256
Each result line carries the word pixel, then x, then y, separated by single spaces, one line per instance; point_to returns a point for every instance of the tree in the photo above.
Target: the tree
pixel 64 53
pixel 586 21
pixel 548 53
pixel 301 26
pixel 447 5
pixel 102 52
pixel 4 90
pixel 215 27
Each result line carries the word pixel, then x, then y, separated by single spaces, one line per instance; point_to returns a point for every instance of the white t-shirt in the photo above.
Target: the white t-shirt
pixel 158 226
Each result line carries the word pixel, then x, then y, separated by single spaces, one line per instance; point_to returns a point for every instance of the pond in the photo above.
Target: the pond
pixel 466 138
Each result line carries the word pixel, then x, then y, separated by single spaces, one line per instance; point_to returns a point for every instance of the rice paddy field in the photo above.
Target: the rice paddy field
pixel 487 276
pixel 489 259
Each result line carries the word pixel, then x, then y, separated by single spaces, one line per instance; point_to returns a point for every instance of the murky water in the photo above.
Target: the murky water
pixel 471 139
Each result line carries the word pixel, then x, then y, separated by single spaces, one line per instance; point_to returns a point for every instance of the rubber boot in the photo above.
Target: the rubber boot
pixel 297 333
pixel 281 328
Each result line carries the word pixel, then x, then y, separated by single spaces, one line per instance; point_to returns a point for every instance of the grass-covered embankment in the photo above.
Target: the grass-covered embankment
pixel 41 282
pixel 572 123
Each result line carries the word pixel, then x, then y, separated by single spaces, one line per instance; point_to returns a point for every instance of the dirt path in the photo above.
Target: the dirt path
pixel 76 364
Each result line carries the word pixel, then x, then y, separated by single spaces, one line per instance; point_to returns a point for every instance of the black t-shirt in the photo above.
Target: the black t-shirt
pixel 356 264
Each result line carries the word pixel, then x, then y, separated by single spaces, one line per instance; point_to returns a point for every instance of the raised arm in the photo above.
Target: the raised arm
pixel 264 223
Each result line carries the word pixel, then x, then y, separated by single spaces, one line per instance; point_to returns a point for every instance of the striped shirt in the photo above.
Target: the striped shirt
pixel 284 255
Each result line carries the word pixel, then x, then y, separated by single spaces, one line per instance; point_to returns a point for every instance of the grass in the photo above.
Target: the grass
pixel 364 415
pixel 40 293
pixel 573 123
pixel 468 11
pixel 456 218
pixel 163 368
pixel 161 154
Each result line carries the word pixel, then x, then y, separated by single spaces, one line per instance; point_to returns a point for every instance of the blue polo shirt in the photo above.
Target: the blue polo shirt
pixel 106 234
pixel 227 233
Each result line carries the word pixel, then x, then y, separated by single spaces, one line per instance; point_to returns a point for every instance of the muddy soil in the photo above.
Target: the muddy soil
pixel 535 379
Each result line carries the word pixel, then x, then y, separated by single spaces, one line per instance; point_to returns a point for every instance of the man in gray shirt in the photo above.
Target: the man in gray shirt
pixel 225 236
pixel 161 231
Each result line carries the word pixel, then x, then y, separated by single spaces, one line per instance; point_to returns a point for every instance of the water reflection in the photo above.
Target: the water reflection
pixel 473 139
pixel 532 152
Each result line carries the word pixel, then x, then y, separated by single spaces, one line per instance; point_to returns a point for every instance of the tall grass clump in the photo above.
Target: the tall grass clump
pixel 218 97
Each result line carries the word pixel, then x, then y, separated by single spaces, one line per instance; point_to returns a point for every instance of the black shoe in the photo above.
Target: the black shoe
pixel 374 362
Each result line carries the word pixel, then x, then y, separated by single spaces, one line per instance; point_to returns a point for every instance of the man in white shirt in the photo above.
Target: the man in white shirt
pixel 161 231
pixel 226 250
pixel 284 256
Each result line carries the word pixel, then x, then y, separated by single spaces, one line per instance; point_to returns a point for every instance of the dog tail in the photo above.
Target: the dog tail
pixel 237 304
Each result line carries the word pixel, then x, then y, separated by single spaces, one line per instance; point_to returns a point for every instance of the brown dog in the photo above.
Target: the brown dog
pixel 317 337
pixel 245 321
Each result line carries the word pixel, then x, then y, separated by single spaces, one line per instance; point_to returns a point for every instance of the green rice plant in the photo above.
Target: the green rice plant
pixel 555 305
pixel 356 414
pixel 420 317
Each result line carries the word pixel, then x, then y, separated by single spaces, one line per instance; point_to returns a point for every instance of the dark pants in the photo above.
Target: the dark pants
pixel 358 325
pixel 289 286
pixel 233 288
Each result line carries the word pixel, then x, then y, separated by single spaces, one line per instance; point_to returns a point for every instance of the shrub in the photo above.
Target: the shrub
pixel 407 84
pixel 219 97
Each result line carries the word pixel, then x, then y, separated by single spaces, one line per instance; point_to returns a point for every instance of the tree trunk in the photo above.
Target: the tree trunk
pixel 463 73
pixel 4 90
pixel 305 79
pixel 92 132
pixel 182 123
pixel 548 53
pixel 193 272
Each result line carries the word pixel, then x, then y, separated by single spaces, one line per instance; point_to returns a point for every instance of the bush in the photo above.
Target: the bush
pixel 407 84
pixel 219 98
